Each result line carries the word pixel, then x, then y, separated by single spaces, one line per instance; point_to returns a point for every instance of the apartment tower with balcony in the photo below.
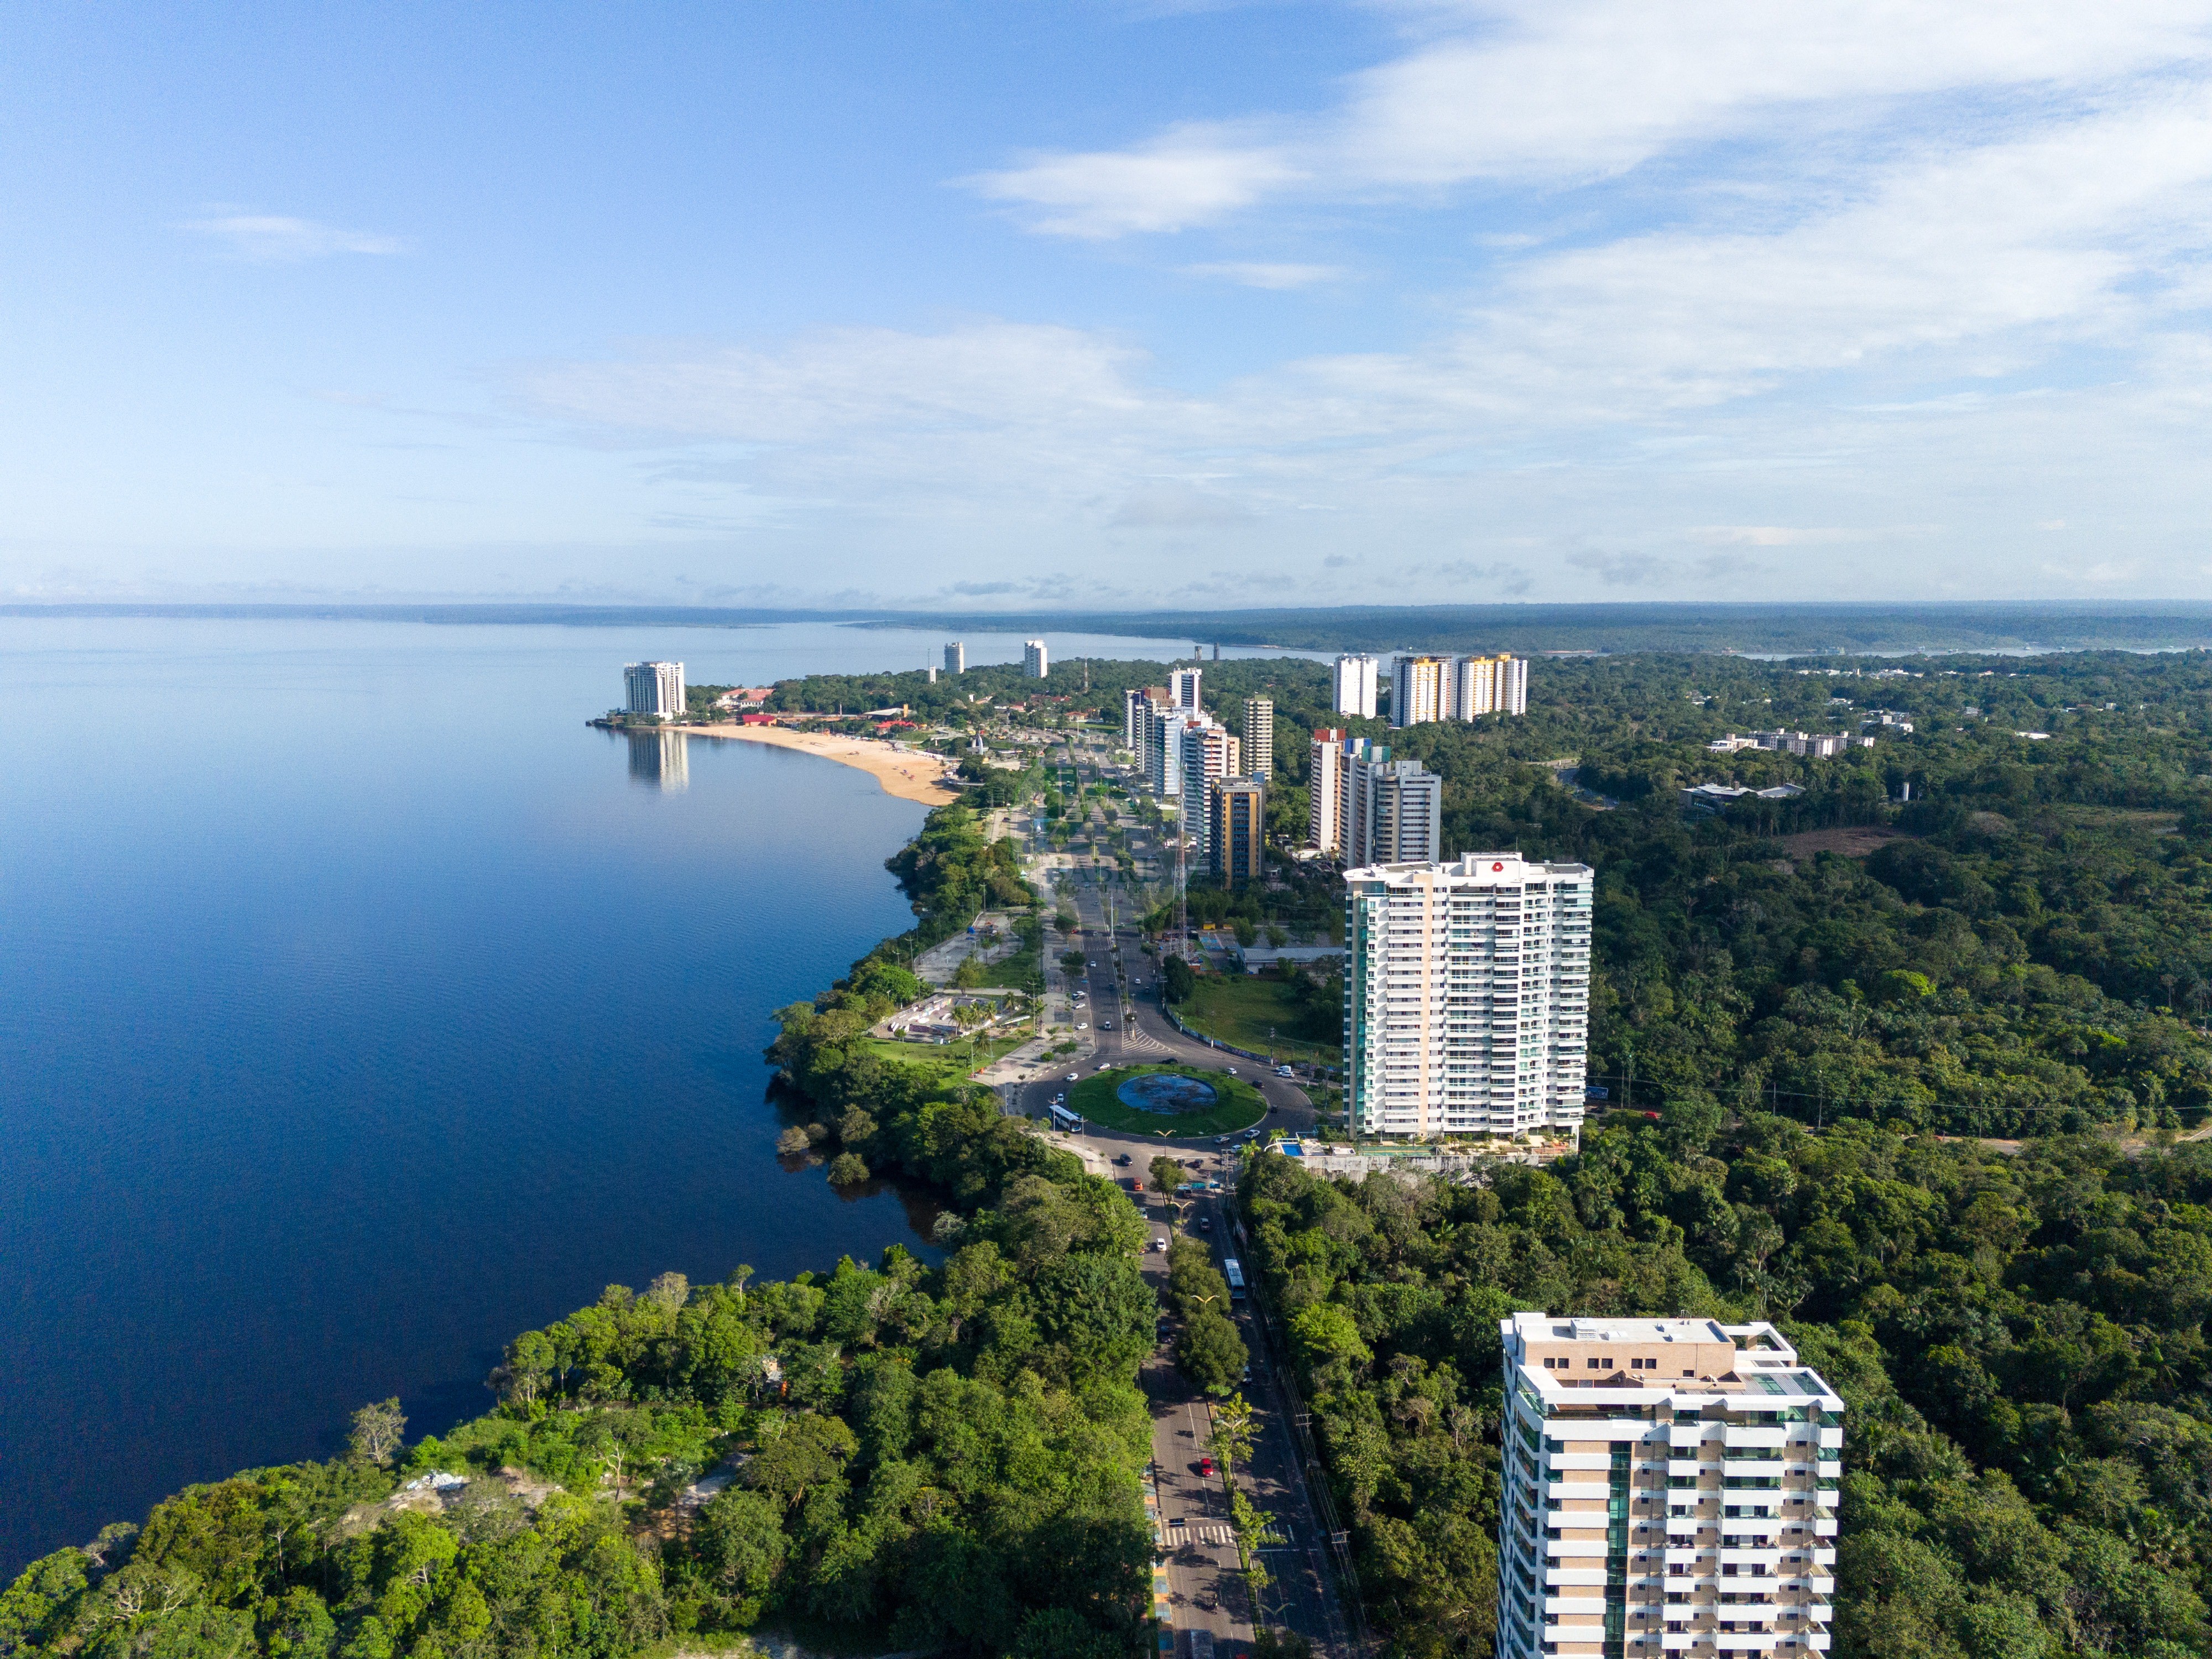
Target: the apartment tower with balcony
pixel 1671 1488
pixel 1467 996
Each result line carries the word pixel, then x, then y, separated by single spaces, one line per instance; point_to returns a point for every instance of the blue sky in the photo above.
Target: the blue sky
pixel 1099 304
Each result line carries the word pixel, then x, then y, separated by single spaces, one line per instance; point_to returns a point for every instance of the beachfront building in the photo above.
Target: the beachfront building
pixel 1033 658
pixel 1260 737
pixel 1352 686
pixel 653 688
pixel 1671 1486
pixel 1325 790
pixel 1466 996
pixel 1236 836
pixel 956 656
pixel 1210 754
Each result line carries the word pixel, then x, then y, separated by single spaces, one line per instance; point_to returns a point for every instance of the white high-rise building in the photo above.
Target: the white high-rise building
pixel 1420 690
pixel 956 656
pixel 1139 704
pixel 1426 688
pixel 1671 1486
pixel 1183 688
pixel 1259 737
pixel 1489 685
pixel 653 688
pixel 1466 996
pixel 1325 790
pixel 1390 811
pixel 1033 658
pixel 1163 750
pixel 1210 755
pixel 1354 687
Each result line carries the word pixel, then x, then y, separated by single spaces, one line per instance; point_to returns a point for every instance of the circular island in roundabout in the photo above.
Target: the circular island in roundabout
pixel 1172 1102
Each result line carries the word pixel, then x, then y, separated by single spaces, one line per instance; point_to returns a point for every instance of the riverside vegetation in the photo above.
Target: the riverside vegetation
pixel 947 1455
pixel 940 1457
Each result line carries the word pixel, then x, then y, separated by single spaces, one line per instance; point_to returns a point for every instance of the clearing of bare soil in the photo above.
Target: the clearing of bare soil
pixel 1853 841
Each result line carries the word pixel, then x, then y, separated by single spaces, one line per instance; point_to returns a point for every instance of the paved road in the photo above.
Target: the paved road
pixel 1204 1589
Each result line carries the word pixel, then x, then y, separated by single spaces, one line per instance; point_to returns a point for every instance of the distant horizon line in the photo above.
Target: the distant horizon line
pixel 1763 627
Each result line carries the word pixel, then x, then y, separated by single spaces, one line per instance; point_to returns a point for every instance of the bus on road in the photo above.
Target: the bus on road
pixel 1234 1271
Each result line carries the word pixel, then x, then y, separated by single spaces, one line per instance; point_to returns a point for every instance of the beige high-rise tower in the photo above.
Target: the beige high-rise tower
pixel 1260 737
pixel 1671 1486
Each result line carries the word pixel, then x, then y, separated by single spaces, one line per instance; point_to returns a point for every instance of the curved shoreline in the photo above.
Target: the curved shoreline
pixel 910 773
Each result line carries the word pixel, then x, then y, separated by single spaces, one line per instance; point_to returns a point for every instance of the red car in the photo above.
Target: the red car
pixel 1205 1467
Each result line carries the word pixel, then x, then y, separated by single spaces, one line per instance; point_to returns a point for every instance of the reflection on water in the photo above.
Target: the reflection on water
pixel 660 760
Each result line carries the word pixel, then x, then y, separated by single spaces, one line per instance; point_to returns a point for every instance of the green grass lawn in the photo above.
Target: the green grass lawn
pixel 945 1064
pixel 1237 1104
pixel 1240 1008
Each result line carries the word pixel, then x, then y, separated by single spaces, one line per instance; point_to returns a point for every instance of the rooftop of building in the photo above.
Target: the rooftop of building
pixel 1643 1359
pixel 1498 868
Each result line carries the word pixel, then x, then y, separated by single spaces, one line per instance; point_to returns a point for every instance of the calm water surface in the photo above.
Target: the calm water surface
pixel 361 1007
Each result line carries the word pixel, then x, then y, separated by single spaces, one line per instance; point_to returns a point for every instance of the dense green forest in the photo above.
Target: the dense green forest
pixel 2020 1340
pixel 2027 950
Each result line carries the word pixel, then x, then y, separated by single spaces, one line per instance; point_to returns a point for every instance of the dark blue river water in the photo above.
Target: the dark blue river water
pixel 360 1008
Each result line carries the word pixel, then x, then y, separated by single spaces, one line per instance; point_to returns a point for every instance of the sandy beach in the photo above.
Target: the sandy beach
pixel 909 774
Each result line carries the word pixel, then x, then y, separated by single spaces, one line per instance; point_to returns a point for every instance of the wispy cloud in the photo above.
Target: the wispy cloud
pixel 1269 275
pixel 1897 258
pixel 271 239
pixel 1557 92
pixel 1188 176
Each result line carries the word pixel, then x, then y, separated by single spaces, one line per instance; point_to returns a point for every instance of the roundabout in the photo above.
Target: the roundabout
pixel 1172 1102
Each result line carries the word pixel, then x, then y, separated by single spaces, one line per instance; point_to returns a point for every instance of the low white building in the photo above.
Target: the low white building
pixel 1671 1486
pixel 1816 745
pixel 1714 797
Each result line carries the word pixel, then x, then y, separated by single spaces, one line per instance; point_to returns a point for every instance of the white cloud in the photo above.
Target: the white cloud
pixel 1948 326
pixel 1186 176
pixel 1280 276
pixel 1563 91
pixel 272 238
